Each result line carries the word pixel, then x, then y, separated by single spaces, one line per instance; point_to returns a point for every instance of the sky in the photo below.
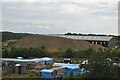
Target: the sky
pixel 60 16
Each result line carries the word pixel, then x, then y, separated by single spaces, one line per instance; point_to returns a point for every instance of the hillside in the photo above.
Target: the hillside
pixel 9 35
pixel 51 43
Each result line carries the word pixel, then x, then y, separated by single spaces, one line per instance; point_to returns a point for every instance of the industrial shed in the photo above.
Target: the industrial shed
pixel 102 40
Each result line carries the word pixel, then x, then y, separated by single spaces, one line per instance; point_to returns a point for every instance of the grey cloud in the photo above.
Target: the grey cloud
pixel 60 17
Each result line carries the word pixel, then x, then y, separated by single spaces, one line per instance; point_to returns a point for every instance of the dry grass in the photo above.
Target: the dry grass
pixel 51 43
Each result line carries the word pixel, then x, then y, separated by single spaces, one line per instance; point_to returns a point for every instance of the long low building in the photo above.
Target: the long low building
pixel 27 60
pixel 102 40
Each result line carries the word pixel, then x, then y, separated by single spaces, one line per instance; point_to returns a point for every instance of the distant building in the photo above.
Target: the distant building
pixel 102 40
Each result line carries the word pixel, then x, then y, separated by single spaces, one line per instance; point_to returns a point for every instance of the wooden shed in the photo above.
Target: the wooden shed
pixel 21 68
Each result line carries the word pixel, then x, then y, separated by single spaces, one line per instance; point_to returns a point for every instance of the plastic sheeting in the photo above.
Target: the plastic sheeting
pixel 46 73
pixel 71 66
pixel 73 70
pixel 19 57
pixel 44 60
pixel 47 60
pixel 70 70
pixel 24 60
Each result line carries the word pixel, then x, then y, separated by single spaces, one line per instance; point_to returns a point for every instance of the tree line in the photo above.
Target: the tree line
pixel 69 53
pixel 10 36
pixel 80 34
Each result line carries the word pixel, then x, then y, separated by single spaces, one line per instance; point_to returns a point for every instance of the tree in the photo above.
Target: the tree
pixel 43 47
pixel 5 53
pixel 69 53
pixel 99 67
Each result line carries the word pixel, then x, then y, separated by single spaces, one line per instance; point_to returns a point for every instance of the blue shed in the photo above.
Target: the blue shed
pixel 47 60
pixel 73 69
pixel 46 73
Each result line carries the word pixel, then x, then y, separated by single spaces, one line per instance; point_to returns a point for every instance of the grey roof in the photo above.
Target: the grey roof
pixel 26 60
pixel 9 59
pixel 95 38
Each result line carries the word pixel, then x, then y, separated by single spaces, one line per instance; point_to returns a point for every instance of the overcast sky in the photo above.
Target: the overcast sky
pixel 54 16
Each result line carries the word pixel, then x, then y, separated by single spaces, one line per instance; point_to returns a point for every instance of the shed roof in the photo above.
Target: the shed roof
pixel 62 64
pixel 26 60
pixel 71 66
pixel 59 64
pixel 67 59
pixel 19 57
pixel 46 58
pixel 9 59
pixel 95 38
pixel 47 70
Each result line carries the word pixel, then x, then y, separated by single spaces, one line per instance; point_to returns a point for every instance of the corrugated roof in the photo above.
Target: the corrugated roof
pixel 95 38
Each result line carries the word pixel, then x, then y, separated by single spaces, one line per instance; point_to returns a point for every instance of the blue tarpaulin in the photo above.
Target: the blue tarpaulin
pixel 48 60
pixel 24 60
pixel 45 61
pixel 70 70
pixel 45 73
pixel 73 69
pixel 19 57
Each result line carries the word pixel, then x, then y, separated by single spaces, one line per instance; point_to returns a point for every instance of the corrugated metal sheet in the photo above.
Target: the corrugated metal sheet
pixel 94 38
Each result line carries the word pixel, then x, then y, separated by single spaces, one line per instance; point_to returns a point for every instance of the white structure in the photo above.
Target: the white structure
pixel 102 40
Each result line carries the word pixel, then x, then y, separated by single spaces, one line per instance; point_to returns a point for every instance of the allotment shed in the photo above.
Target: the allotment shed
pixel 73 70
pixel 21 68
pixel 46 73
pixel 53 73
pixel 47 61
